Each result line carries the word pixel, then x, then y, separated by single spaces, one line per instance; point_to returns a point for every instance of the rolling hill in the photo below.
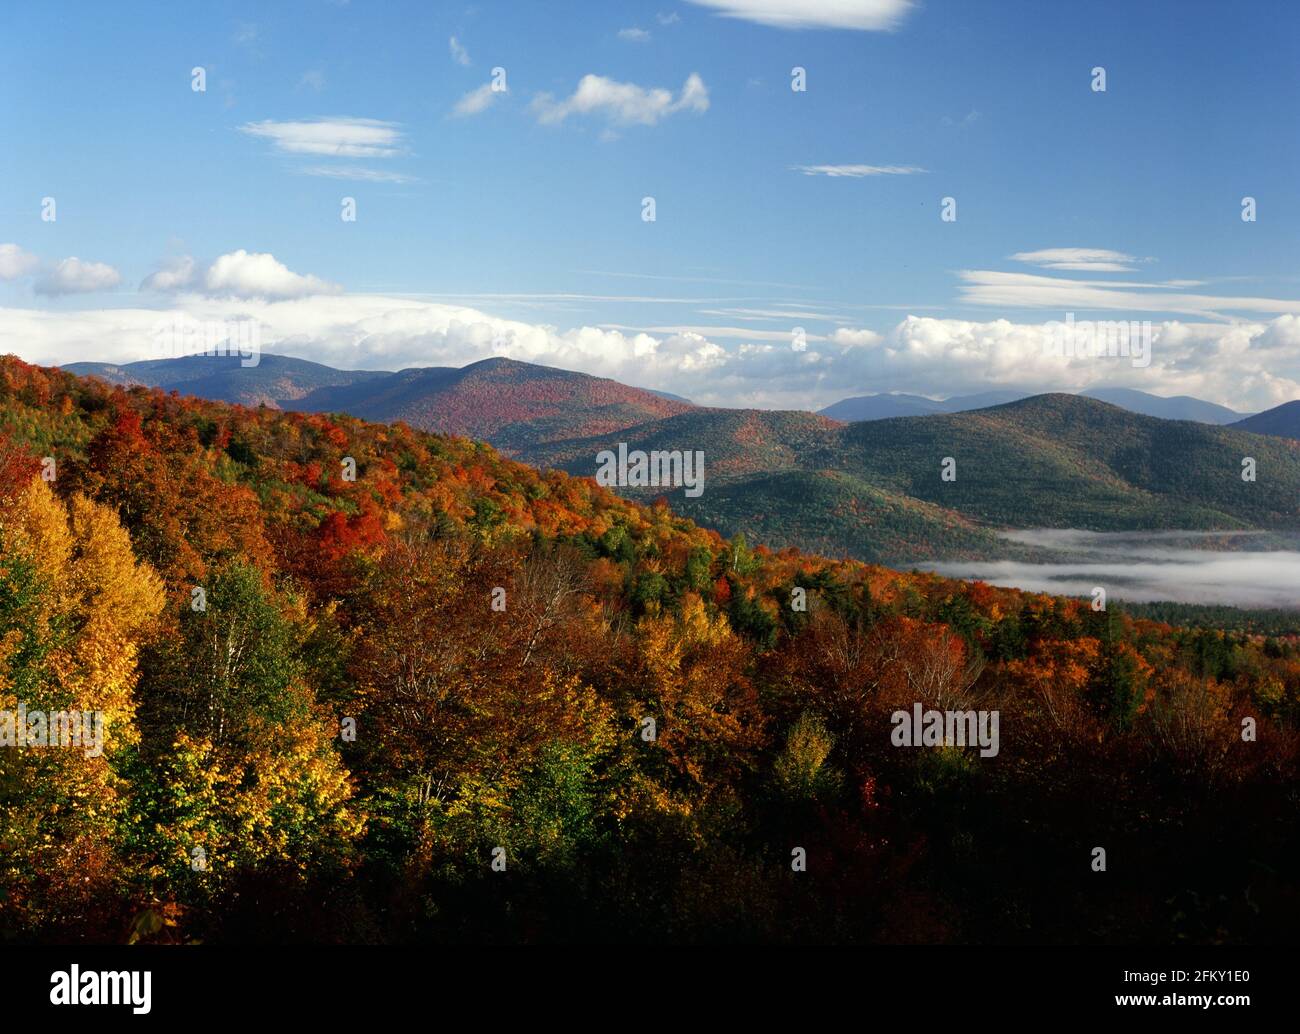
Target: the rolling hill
pixel 737 443
pixel 1175 407
pixel 882 407
pixel 1057 461
pixel 1067 461
pixel 275 380
pixel 511 404
pixel 869 489
pixel 1282 421
pixel 885 406
pixel 839 515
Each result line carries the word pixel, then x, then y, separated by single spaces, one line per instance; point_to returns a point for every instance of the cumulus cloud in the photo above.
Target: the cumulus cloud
pixel 622 103
pixel 866 15
pixel 237 274
pixel 366 331
pixel 336 137
pixel 634 35
pixel 1220 362
pixel 857 171
pixel 243 274
pixel 72 276
pixel 856 338
pixel 1094 260
pixel 478 100
pixel 458 53
pixel 15 263
pixel 1248 365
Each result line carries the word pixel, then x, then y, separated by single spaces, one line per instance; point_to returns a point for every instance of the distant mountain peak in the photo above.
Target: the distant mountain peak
pixel 881 406
pixel 1281 421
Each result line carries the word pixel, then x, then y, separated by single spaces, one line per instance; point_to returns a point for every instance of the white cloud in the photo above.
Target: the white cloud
pixel 72 276
pixel 622 103
pixel 15 263
pixel 243 274
pixel 876 15
pixel 748 334
pixel 477 100
pixel 856 338
pixel 237 274
pixel 335 137
pixel 359 173
pixel 1033 291
pixel 312 80
pixel 857 170
pixel 1248 365
pixel 1089 260
pixel 634 35
pixel 458 53
pixel 176 274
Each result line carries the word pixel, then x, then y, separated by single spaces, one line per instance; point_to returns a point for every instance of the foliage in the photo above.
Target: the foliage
pixel 399 684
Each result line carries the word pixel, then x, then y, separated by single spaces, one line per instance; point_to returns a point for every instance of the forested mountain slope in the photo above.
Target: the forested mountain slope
pixel 333 704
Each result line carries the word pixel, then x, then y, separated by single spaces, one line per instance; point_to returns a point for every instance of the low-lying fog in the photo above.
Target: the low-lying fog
pixel 1240 569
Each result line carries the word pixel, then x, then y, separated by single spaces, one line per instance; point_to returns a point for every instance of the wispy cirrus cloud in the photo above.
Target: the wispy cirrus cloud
pixel 622 103
pixel 1036 291
pixel 863 15
pixel 333 137
pixel 858 171
pixel 479 100
pixel 458 53
pixel 1087 260
pixel 360 174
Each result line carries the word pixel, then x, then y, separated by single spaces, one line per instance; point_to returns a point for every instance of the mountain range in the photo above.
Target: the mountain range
pixel 509 403
pixel 875 489
pixel 448 399
pixel 884 406
pixel 871 488
pixel 274 381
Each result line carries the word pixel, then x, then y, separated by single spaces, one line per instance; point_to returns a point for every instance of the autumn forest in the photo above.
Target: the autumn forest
pixel 366 684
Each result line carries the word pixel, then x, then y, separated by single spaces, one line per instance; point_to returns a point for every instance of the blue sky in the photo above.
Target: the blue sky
pixel 518 226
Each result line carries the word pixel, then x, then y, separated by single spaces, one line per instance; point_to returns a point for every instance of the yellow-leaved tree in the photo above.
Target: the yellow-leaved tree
pixel 74 607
